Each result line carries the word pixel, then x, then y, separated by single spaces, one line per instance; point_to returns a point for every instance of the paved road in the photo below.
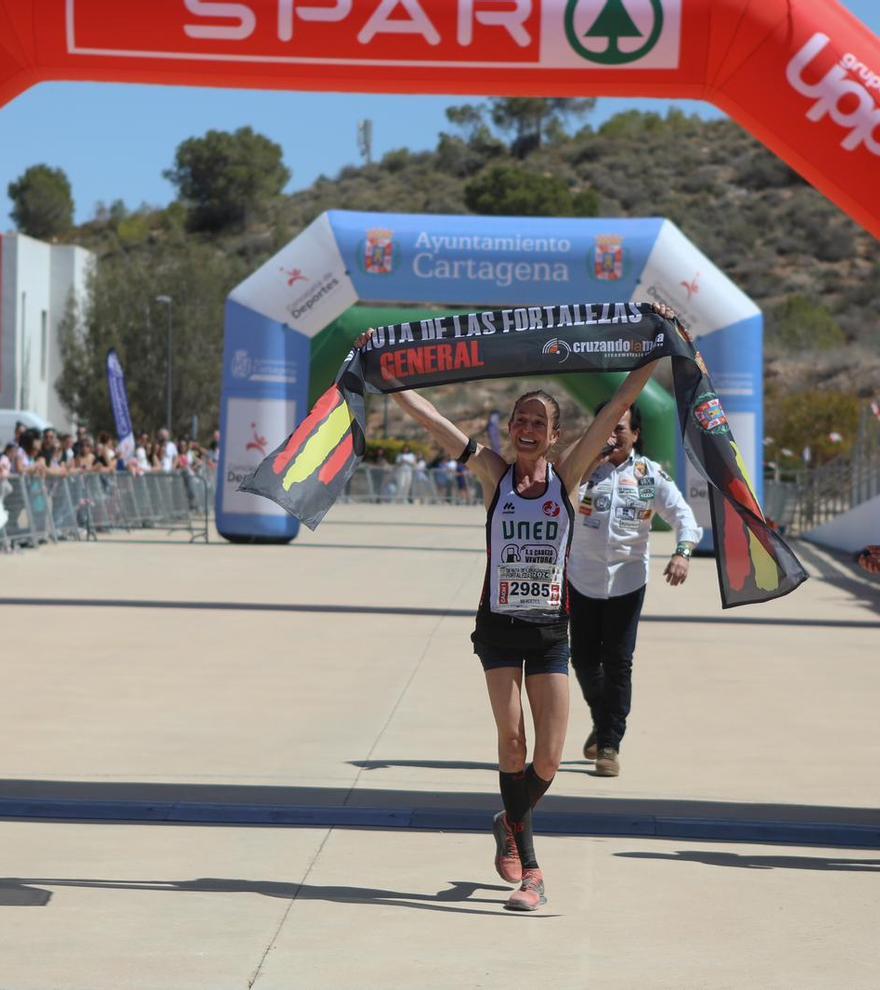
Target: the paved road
pixel 273 766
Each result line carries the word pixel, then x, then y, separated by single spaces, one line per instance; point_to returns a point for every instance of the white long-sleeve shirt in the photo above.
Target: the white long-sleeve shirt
pixel 609 553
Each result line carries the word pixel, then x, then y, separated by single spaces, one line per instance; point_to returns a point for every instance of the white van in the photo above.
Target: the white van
pixel 8 419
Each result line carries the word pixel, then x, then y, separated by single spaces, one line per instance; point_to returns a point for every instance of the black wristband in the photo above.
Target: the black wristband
pixel 469 449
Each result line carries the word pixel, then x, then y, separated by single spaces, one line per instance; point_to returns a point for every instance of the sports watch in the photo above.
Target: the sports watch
pixel 469 449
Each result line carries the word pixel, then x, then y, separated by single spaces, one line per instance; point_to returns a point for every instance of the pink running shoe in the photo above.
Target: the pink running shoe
pixel 506 854
pixel 530 895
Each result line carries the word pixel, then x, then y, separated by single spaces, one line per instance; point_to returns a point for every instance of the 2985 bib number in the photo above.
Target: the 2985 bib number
pixel 523 587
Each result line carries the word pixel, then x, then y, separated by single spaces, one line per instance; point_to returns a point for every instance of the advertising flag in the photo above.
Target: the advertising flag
pixel 119 402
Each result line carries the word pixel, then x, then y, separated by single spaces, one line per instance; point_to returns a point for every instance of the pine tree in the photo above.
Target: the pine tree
pixel 42 203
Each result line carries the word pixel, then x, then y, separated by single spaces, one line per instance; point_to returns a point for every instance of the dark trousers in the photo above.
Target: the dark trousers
pixel 603 639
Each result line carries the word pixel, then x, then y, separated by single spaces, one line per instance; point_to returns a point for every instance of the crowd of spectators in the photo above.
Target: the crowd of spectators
pixel 410 478
pixel 52 454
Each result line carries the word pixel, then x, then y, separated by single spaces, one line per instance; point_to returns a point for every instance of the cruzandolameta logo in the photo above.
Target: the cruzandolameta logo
pixel 557 348
pixel 843 94
pixel 621 33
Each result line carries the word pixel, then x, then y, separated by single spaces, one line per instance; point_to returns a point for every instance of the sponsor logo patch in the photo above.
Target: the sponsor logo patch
pixel 709 414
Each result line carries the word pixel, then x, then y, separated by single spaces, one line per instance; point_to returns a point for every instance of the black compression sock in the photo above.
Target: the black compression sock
pixel 525 842
pixel 514 794
pixel 535 785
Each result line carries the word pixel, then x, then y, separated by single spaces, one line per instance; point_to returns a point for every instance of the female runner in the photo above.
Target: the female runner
pixel 522 620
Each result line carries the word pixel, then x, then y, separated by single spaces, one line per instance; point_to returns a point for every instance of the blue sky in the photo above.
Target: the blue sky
pixel 114 141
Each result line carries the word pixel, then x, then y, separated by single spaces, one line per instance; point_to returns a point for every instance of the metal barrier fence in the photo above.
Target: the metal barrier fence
pixel 35 510
pixel 397 483
pixel 812 498
pixel 78 507
pixel 800 500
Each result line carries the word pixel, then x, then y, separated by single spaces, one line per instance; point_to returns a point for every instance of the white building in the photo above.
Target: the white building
pixel 36 281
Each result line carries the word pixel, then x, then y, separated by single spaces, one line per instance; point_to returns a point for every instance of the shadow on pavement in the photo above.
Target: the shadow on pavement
pixel 361 807
pixel 20 893
pixel 860 586
pixel 466 613
pixel 249 795
pixel 25 892
pixel 401 523
pixel 447 765
pixel 322 546
pixel 746 862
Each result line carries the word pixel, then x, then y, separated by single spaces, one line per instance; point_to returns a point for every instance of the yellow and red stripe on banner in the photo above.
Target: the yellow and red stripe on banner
pixel 749 561
pixel 323 440
pixel 766 574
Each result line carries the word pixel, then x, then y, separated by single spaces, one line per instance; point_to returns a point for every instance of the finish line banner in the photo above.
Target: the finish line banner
pixel 307 473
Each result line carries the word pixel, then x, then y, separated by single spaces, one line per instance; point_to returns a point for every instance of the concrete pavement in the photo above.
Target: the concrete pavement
pixel 330 684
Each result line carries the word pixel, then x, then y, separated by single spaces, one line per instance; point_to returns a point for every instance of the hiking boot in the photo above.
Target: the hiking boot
pixel 607 764
pixel 591 747
pixel 530 895
pixel 507 861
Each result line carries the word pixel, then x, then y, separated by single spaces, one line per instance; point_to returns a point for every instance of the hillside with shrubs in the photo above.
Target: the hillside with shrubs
pixel 814 272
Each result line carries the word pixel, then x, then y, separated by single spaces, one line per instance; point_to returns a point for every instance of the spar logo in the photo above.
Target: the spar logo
pixel 838 95
pixel 607 32
pixel 557 348
pixel 479 32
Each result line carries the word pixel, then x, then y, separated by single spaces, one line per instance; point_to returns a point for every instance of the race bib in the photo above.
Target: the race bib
pixel 524 587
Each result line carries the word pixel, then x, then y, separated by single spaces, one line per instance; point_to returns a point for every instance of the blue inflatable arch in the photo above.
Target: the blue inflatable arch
pixel 343 258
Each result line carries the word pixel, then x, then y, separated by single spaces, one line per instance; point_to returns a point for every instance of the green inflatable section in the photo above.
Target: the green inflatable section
pixel 657 406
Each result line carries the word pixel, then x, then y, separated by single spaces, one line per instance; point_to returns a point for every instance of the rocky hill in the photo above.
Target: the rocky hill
pixel 814 272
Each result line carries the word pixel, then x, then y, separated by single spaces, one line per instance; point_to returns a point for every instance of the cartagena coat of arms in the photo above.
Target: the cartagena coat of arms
pixel 608 259
pixel 379 252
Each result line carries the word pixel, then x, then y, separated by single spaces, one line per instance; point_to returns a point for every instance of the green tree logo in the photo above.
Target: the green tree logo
pixel 613 23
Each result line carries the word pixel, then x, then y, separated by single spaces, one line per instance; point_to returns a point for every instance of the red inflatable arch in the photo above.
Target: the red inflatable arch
pixel 802 75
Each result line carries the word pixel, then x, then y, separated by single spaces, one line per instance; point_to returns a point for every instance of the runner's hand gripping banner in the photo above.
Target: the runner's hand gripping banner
pixel 308 472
